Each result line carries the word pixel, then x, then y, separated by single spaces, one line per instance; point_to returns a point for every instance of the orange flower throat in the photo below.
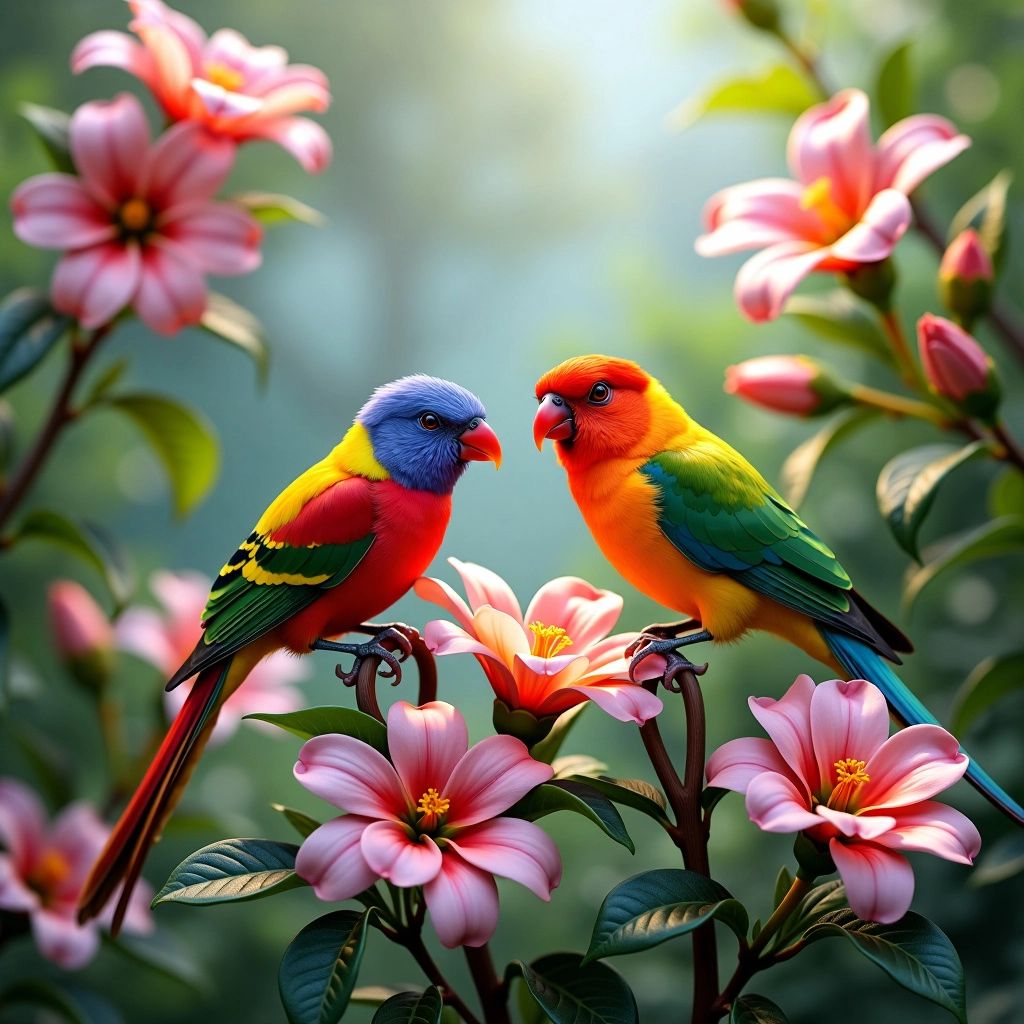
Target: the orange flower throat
pixel 226 77
pixel 850 776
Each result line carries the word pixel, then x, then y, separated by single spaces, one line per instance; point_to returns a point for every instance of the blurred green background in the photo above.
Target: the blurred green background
pixel 505 192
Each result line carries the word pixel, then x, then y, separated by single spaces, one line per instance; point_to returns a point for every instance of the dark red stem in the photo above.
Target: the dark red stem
pixel 492 991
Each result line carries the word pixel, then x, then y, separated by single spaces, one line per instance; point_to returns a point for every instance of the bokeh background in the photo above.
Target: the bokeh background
pixel 507 191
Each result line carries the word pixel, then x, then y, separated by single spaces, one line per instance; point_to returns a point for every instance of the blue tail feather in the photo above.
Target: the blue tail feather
pixel 864 663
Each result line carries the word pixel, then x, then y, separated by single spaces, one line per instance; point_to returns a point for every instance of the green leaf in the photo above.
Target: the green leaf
pixel 319 969
pixel 990 681
pixel 584 765
pixel 986 211
pixel 800 466
pixel 182 440
pixel 894 87
pixel 570 992
pixel 655 906
pixel 840 316
pixel 85 540
pixel 411 1008
pixel 1004 859
pixel 908 484
pixel 320 721
pixel 105 381
pixel 299 820
pixel 579 797
pixel 29 328
pixel 1006 496
pixel 70 1001
pixel 914 952
pixel 821 900
pixel 547 749
pixel 6 435
pixel 227 320
pixel 231 871
pixel 711 797
pixel 372 995
pixel 776 90
pixel 273 208
pixel 162 955
pixel 751 1009
pixel 997 537
pixel 638 794
pixel 51 128
pixel 783 883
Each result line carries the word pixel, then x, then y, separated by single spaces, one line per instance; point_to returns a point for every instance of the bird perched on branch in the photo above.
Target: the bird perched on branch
pixel 337 547
pixel 690 523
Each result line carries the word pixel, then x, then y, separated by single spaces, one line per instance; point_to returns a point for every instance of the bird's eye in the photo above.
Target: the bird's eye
pixel 428 421
pixel 600 394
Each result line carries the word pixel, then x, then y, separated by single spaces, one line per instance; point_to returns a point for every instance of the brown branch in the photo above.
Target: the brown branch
pixel 493 993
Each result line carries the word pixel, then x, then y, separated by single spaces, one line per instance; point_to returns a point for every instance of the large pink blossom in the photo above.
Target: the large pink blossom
pixel 555 656
pixel 237 90
pixel 848 205
pixel 43 867
pixel 831 770
pixel 166 638
pixel 137 225
pixel 431 817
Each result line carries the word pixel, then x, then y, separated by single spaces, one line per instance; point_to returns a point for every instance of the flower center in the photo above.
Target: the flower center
pixel 432 806
pixel 850 775
pixel 51 870
pixel 548 640
pixel 226 77
pixel 818 197
pixel 135 216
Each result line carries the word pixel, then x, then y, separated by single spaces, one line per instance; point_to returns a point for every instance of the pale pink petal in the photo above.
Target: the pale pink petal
pixel 95 284
pixel 848 720
pixel 538 679
pixel 490 778
pixel 626 702
pixel 185 165
pixel 879 883
pixel 394 855
pixel 188 31
pixel 304 139
pixel 913 149
pixel 500 633
pixel 463 903
pixel 912 765
pixel 55 211
pixel 276 672
pixel 883 224
pixel 109 140
pixel 767 279
pixel 484 587
pixel 172 293
pixel 224 104
pixel 231 48
pixel 266 79
pixel 440 593
pixel 512 849
pixel 788 724
pixel 611 649
pixel 294 97
pixel 138 919
pixel 113 49
pixel 444 637
pixel 931 827
pixel 331 860
pixel 856 826
pixel 15 894
pixel 734 764
pixel 171 39
pixel 426 744
pixel 219 237
pixel 22 821
pixel 776 805
pixel 183 594
pixel 78 835
pixel 351 775
pixel 141 631
pixel 586 613
pixel 61 939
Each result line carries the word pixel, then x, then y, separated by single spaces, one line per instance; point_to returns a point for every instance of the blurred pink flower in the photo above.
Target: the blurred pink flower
pixel 956 366
pixel 831 770
pixel 522 655
pixel 430 818
pixel 789 384
pixel 77 622
pixel 43 868
pixel 848 205
pixel 166 638
pixel 237 90
pixel 966 259
pixel 137 225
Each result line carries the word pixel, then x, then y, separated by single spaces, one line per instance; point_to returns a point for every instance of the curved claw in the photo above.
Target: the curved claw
pixel 648 644
pixel 400 638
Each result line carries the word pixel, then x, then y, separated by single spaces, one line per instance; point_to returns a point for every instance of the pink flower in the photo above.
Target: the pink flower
pixel 77 622
pixel 428 817
pixel 848 205
pixel 831 770
pixel 137 225
pixel 966 259
pixel 789 384
pixel 956 366
pixel 527 658
pixel 43 868
pixel 237 90
pixel 166 638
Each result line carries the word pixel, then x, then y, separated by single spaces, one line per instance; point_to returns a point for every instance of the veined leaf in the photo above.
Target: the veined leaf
pixel 570 992
pixel 582 765
pixel 299 820
pixel 993 679
pixel 411 1008
pixel 894 87
pixel 579 797
pixel 51 128
pixel 320 721
pixel 227 320
pixel 823 899
pixel 751 1009
pixel 840 316
pixel 29 328
pixel 986 211
pixel 777 90
pixel 635 793
pixel 273 208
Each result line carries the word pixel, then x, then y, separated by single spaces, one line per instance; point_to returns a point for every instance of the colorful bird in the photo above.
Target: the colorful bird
pixel 690 523
pixel 339 545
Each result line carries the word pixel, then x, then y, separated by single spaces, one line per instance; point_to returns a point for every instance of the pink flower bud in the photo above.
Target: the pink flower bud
pixel 965 277
pixel 81 631
pixel 789 384
pixel 956 366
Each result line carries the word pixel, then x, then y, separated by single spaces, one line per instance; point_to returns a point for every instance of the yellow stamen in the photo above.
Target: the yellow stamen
pixel 135 215
pixel 51 870
pixel 849 769
pixel 548 640
pixel 433 804
pixel 818 197
pixel 224 76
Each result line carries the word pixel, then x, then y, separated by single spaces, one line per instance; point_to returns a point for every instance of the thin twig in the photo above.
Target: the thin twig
pixel 1013 451
pixel 413 942
pixel 492 992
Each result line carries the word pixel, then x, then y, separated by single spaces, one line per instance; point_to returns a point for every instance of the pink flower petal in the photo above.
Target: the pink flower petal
pixel 856 826
pixel 331 860
pixel 912 765
pixel 55 211
pixel 351 775
pixel 626 702
pixel 879 883
pixel 512 849
pixel 231 48
pixel 184 595
pixel 304 139
pixel 172 292
pixel 185 165
pixel 463 903
pixel 913 149
pixel 220 237
pixel 883 224
pixel 95 284
pixel 438 592
pixel 15 894
pixel 109 142
pixel 500 633
pixel 426 744
pixel 267 79
pixel 848 720
pixel 484 587
pixel 61 939
pixel 188 31
pixel 141 631
pixel 736 763
pixel 931 827
pixel 788 724
pixel 767 279
pixel 775 804
pixel 490 778
pixel 78 835
pixel 538 679
pixel 173 41
pixel 444 637
pixel 586 613
pixel 225 105
pixel 394 855
pixel 22 822
pixel 294 97
pixel 114 49
pixel 138 919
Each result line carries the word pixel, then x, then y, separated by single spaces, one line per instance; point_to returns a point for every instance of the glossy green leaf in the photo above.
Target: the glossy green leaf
pixel 992 680
pixel 752 1009
pixel 637 794
pixel 319 969
pixel 578 797
pixel 711 797
pixel 986 212
pixel 908 484
pixel 411 1008
pixel 894 87
pixel 273 208
pixel 299 820
pixel 783 882
pixel 227 320
pixel 800 466
pixel 231 871
pixel 839 316
pixel 547 749
pixel 1006 496
pixel 182 440
pixel 570 992
pixel 29 328
pixel 161 954
pixel 320 721
pixel 51 128
pixel 1003 860
pixel 655 906
pixel 823 899
pixel 914 952
pixel 777 90
pixel 582 765
pixel 998 537
pixel 68 1000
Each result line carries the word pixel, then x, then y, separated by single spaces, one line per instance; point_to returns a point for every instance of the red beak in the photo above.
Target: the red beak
pixel 478 443
pixel 553 420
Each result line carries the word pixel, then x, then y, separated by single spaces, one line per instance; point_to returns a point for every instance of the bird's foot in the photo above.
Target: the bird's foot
pixel 392 656
pixel 648 643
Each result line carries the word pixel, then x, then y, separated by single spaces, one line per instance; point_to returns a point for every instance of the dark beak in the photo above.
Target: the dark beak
pixel 553 420
pixel 478 443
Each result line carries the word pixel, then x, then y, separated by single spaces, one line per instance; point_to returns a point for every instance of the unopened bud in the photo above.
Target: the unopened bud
pixel 965 277
pixel 81 633
pixel 790 384
pixel 957 367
